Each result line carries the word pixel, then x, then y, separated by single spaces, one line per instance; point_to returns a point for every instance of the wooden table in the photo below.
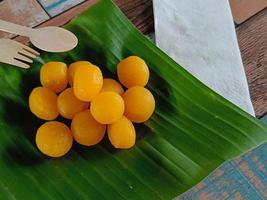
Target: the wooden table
pixel 242 178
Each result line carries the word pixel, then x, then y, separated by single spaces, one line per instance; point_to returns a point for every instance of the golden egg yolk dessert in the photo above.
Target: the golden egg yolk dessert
pixel 122 134
pixel 54 75
pixel 73 67
pixel 54 139
pixel 107 107
pixel 139 104
pixel 111 85
pixel 68 105
pixel 133 71
pixel 86 130
pixel 87 82
pixel 43 103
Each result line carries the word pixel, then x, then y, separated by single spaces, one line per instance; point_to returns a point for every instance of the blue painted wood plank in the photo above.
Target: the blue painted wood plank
pixel 242 178
pixel 264 118
pixel 55 7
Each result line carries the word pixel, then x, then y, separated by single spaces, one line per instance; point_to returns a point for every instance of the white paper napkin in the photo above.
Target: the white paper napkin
pixel 200 36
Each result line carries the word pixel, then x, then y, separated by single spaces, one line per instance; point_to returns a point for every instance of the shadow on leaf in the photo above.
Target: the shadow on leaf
pixel 20 118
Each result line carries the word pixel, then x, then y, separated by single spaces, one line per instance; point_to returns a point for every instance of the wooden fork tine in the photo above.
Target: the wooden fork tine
pixel 23 58
pixel 29 49
pixel 27 53
pixel 19 64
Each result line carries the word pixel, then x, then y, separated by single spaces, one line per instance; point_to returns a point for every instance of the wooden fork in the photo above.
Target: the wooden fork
pixel 15 53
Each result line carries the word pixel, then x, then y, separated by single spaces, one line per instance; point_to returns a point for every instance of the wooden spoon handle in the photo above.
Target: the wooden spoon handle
pixel 14 28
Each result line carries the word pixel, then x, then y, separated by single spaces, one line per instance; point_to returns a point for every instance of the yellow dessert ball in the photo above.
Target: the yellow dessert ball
pixel 86 130
pixel 43 103
pixel 68 105
pixel 139 104
pixel 54 139
pixel 73 67
pixel 111 85
pixel 133 71
pixel 54 75
pixel 87 82
pixel 107 107
pixel 121 134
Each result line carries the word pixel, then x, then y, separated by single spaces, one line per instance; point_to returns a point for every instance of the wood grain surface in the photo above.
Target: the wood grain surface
pixel 140 12
pixel 26 12
pixel 252 37
pixel 244 9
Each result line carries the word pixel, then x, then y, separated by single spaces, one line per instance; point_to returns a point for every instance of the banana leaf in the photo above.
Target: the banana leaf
pixel 192 132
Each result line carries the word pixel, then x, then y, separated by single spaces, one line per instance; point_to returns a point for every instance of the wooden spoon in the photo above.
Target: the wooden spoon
pixel 51 38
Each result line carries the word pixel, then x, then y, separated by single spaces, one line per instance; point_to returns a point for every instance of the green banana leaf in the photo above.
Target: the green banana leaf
pixel 192 132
